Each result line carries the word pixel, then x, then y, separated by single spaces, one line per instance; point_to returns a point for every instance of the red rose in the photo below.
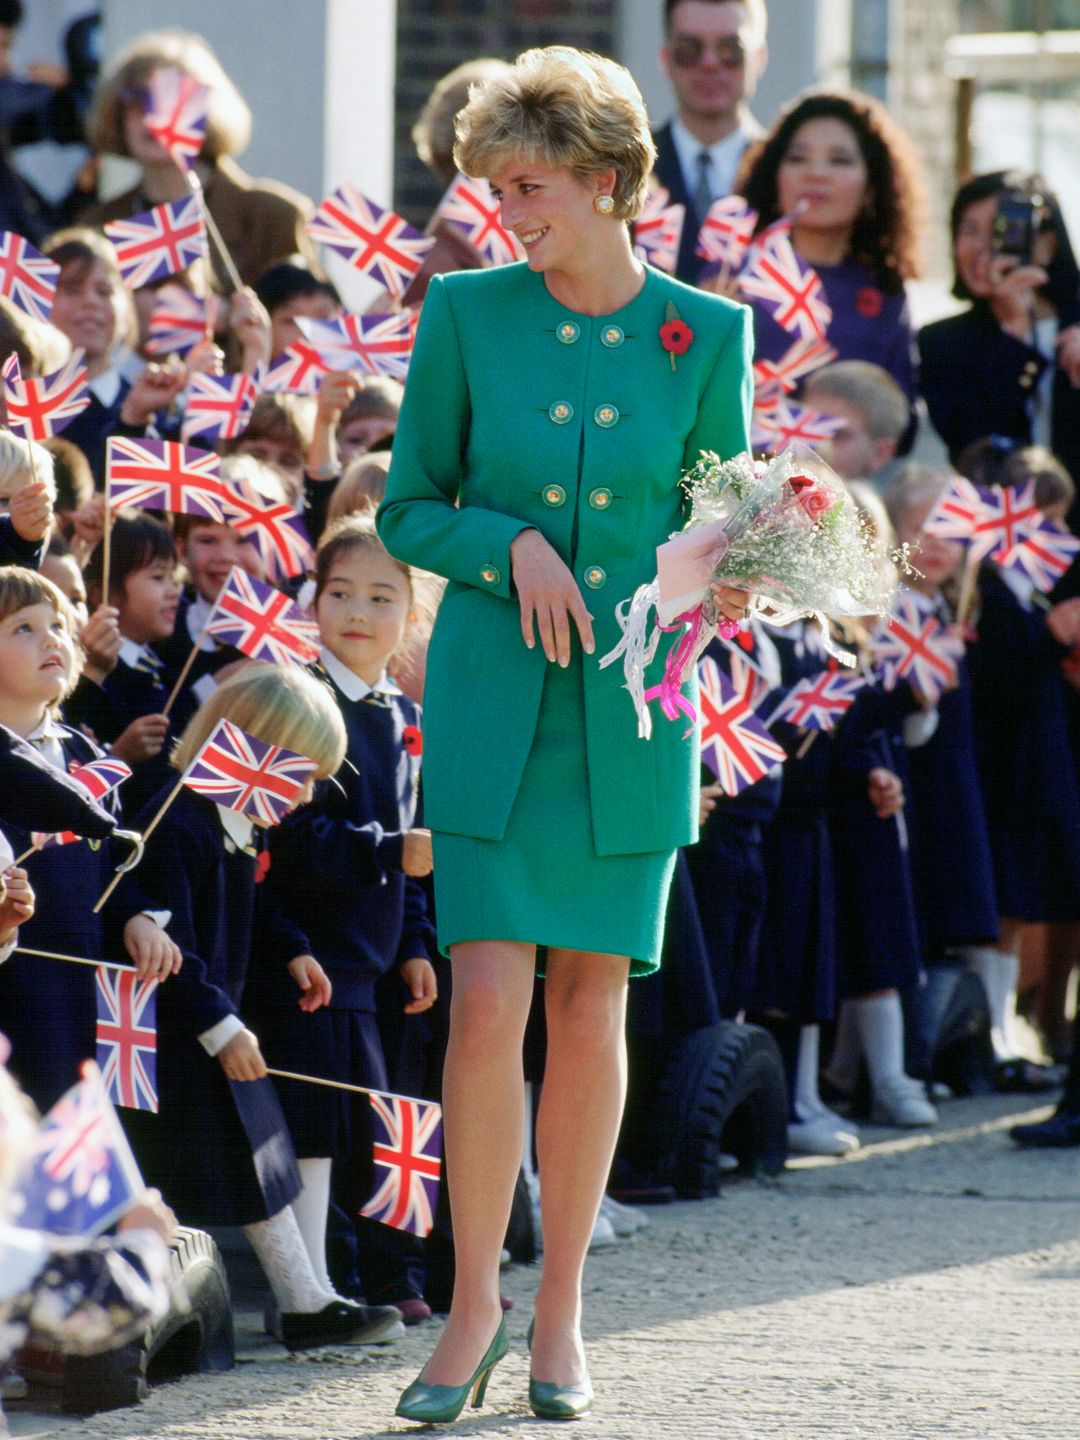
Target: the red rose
pixel 413 740
pixel 869 302
pixel 814 498
pixel 676 337
pixel 262 866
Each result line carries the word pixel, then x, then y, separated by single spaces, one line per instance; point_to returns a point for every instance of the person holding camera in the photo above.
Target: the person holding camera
pixel 1010 364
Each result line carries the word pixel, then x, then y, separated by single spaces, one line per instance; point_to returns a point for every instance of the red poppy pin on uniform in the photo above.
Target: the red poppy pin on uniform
pixel 262 866
pixel 869 302
pixel 413 740
pixel 675 335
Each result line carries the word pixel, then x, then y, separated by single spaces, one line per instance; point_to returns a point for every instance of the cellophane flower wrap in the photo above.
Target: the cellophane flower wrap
pixel 787 532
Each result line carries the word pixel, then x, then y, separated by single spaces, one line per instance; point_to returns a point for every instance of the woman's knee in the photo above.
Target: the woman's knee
pixel 587 1010
pixel 492 993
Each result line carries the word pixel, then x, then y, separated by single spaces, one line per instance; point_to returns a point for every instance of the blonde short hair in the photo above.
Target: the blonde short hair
pixel 228 121
pixel 15 467
pixel 361 487
pixel 914 484
pixel 564 107
pixel 278 704
pixel 869 389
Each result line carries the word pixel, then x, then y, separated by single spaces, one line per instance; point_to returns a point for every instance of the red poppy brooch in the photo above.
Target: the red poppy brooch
pixel 675 335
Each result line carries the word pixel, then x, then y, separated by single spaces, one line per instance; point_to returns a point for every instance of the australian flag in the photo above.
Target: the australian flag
pixel 82 1175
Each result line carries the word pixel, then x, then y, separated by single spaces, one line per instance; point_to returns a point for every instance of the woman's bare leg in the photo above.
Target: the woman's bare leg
pixel 581 1104
pixel 483 1109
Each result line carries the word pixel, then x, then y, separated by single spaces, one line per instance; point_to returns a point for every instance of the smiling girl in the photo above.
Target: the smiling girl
pixel 850 177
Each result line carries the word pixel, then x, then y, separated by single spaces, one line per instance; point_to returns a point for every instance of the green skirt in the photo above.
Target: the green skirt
pixel 543 882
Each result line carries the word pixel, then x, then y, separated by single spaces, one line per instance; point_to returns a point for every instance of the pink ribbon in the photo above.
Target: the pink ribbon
pixel 672 701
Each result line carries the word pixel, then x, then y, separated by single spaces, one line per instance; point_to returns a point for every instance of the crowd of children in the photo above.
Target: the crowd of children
pixel 918 832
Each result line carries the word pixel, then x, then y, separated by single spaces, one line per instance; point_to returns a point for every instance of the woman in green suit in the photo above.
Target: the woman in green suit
pixel 549 412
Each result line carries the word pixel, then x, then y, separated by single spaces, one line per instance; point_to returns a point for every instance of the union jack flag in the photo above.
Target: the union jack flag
pixel 912 644
pixel 378 344
pixel 258 779
pixel 658 230
pixel 955 515
pixel 407 1163
pixel 819 702
pixel 788 289
pixel 262 622
pixel 377 242
pixel 1043 555
pixel 179 320
pixel 39 408
pixel 276 528
pixel 164 475
pixel 780 423
pixel 27 279
pixel 218 407
pixel 127 1037
pixel 159 242
pixel 176 114
pixel 727 232
pixel 773 378
pixel 470 206
pixel 749 682
pixel 82 1175
pixel 100 778
pixel 296 370
pixel 1008 515
pixel 734 743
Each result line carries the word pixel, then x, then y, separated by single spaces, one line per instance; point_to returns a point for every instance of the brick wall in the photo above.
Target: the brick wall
pixel 435 35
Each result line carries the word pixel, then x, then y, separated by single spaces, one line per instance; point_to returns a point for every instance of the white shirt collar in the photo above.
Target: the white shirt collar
pixel 195 617
pixel 46 739
pixel 131 653
pixel 238 827
pixel 725 154
pixel 351 685
pixel 106 386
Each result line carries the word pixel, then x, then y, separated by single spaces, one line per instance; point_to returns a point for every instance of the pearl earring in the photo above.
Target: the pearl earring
pixel 603 204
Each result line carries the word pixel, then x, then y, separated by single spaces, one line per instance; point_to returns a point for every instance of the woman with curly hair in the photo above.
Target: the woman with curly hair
pixel 850 178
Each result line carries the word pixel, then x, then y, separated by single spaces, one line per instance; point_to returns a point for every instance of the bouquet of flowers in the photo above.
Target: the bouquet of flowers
pixel 786 531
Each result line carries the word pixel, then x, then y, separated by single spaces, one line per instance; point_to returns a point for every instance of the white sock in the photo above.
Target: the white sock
pixel 999 974
pixel 879 1020
pixel 310 1208
pixel 846 1057
pixel 808 1102
pixel 284 1258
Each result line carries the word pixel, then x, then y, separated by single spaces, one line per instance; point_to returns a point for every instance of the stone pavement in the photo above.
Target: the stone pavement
pixel 928 1286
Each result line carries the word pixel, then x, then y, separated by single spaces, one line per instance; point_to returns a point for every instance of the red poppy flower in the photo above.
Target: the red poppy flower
pixel 262 866
pixel 869 302
pixel 412 740
pixel 676 337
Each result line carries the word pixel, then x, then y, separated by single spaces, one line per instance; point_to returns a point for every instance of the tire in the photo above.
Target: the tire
pixel 181 1343
pixel 723 1093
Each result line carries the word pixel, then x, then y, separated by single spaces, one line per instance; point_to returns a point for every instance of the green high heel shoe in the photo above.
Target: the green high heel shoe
pixel 440 1404
pixel 549 1400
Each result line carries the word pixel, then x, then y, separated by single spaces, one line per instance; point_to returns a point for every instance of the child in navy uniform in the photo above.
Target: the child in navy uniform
pixel 121 706
pixel 47 998
pixel 218 1147
pixel 345 870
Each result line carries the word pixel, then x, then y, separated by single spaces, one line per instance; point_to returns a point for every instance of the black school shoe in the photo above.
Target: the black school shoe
pixel 341 1323
pixel 1060 1132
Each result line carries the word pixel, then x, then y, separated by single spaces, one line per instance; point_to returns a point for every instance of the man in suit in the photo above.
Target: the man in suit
pixel 714 54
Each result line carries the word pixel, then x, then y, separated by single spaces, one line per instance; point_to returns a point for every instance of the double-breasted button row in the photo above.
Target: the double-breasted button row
pixel 568 332
pixel 606 416
pixel 562 412
pixel 553 495
pixel 600 498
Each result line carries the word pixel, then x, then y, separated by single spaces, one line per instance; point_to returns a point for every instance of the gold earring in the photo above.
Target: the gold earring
pixel 603 204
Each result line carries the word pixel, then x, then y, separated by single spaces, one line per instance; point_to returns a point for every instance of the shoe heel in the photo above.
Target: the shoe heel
pixel 480 1388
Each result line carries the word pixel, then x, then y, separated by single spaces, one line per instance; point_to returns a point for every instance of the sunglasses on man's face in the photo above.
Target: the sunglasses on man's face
pixel 689 50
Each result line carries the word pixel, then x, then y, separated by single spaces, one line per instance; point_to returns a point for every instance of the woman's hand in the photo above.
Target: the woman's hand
pixel 416 856
pixel 313 982
pixel 732 603
pixel 154 954
pixel 548 594
pixel 1012 295
pixel 419 976
pixel 241 1058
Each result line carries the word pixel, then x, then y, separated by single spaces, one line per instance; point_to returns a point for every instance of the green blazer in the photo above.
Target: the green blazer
pixel 521 414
